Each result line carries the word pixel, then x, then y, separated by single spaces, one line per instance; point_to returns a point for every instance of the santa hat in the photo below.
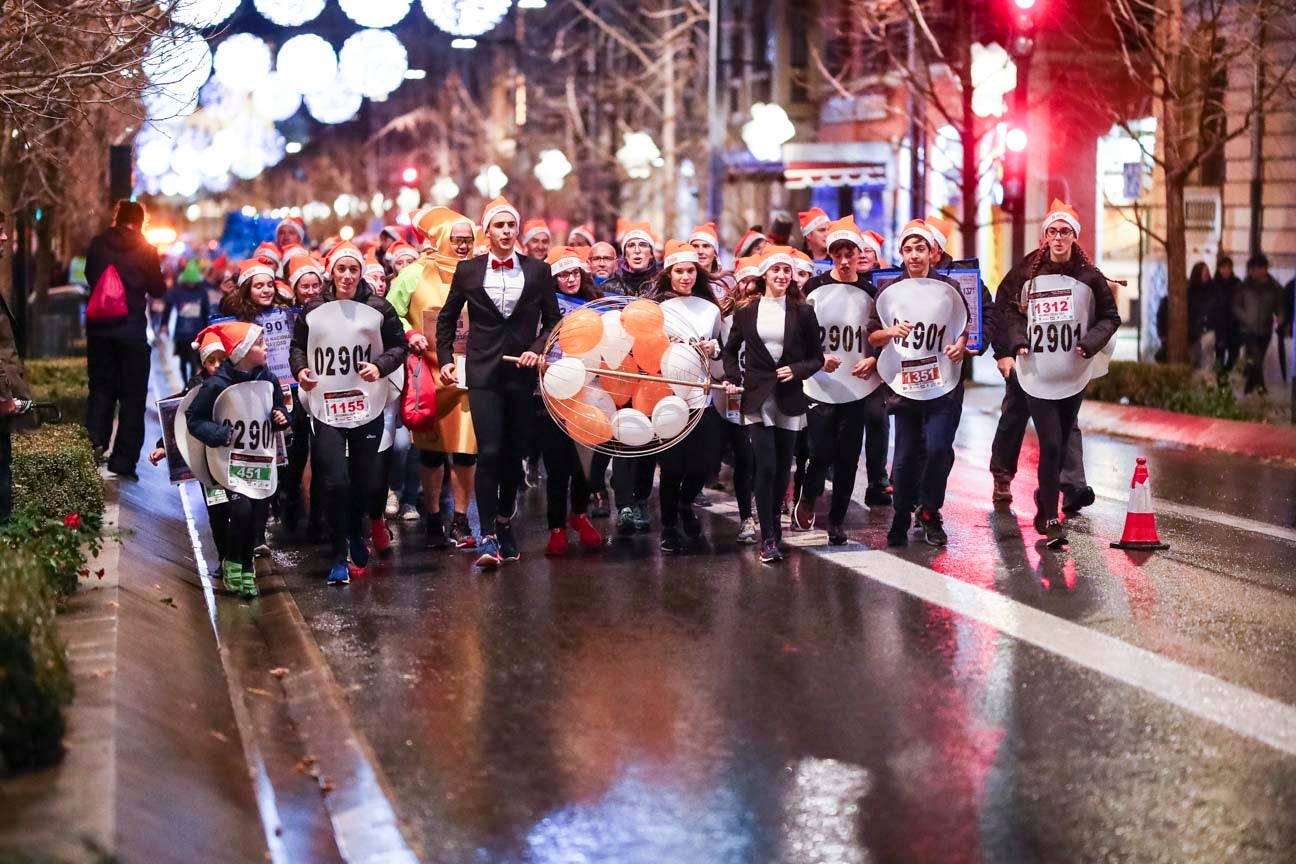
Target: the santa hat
pixel 294 222
pixel 638 231
pixel 401 249
pixel 774 255
pixel 917 228
pixel 252 267
pixel 391 231
pixel 873 240
pixel 812 220
pixel 294 250
pixel 236 337
pixel 941 229
pixel 583 230
pixel 564 258
pixel 584 253
pixel 706 234
pixel 750 239
pixel 372 267
pixel 330 243
pixel 208 345
pixel 300 266
pixel 343 249
pixel 1060 211
pixel 679 252
pixel 746 268
pixel 844 229
pixel 622 226
pixel 801 261
pixel 533 229
pixel 270 252
pixel 495 208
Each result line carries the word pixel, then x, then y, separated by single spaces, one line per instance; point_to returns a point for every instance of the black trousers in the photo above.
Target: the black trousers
pixel 1254 348
pixel 290 476
pixel 836 434
pixel 6 472
pixel 218 516
pixel 118 371
pixel 502 420
pixel 598 472
pixel 735 437
pixel 685 467
pixel 773 449
pixel 1014 413
pixel 632 479
pixel 567 489
pixel 347 460
pixel 246 516
pixel 1054 420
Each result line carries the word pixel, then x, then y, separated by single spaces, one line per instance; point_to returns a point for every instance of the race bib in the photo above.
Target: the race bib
pixel 247 464
pixel 1057 316
pixel 915 366
pixel 843 311
pixel 189 448
pixel 344 335
pixel 729 407
pixel 214 495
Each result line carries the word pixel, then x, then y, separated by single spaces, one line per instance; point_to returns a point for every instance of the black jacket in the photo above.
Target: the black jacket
pixel 802 351
pixel 491 336
pixel 393 333
pixel 199 416
pixel 140 271
pixel 863 281
pixel 1010 329
pixel 642 283
pixel 875 320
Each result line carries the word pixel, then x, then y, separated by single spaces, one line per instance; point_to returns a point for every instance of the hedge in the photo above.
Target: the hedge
pixel 54 472
pixel 33 666
pixel 1170 387
pixel 63 381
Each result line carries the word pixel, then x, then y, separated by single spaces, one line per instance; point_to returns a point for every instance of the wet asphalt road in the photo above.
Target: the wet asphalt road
pixel 623 706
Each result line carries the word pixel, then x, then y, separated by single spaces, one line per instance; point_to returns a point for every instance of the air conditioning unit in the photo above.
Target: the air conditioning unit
pixel 1202 208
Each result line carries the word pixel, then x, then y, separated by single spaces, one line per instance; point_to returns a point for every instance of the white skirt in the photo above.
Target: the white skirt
pixel 770 415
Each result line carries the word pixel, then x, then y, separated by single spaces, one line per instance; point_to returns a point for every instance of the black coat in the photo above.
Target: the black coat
pixel 802 351
pixel 1010 332
pixel 199 415
pixel 393 333
pixel 141 275
pixel 491 336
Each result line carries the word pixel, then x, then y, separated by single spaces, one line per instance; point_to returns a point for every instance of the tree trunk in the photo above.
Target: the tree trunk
pixel 968 136
pixel 669 145
pixel 1176 268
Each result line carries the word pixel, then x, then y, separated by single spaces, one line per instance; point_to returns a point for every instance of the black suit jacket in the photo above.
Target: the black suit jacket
pixel 802 350
pixel 490 335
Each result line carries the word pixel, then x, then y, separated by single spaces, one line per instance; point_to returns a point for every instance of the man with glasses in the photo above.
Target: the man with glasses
pixel 603 262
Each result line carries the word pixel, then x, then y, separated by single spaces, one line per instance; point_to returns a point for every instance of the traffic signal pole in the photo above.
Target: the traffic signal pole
pixel 1021 111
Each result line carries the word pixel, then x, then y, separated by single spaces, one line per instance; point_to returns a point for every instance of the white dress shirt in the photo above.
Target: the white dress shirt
pixel 504 285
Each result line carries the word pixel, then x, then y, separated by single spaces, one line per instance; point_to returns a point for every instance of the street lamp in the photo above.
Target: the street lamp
pixel 552 169
pixel 444 190
pixel 767 131
pixel 638 154
pixel 491 181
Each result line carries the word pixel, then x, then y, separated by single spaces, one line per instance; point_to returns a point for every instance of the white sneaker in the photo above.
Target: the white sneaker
pixel 748 532
pixel 409 513
pixel 393 505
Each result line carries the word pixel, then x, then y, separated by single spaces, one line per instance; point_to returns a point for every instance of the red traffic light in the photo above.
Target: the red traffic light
pixel 1024 4
pixel 409 175
pixel 1015 139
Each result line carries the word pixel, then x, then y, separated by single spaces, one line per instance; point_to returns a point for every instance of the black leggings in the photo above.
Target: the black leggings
pixel 246 516
pixel 347 459
pixel 735 436
pixel 1054 419
pixel 773 449
pixel 218 517
pixel 685 466
pixel 376 499
pixel 502 421
pixel 632 479
pixel 836 436
pixel 565 479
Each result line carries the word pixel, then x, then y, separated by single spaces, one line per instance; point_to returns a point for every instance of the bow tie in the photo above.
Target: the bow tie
pixel 497 264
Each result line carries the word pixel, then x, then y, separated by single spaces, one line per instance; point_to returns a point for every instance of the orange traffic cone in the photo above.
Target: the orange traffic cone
pixel 1140 522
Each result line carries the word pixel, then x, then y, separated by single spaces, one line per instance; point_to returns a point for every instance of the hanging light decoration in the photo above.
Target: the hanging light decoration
pixel 165 105
pixel 552 169
pixel 199 13
pixel 767 131
pixel 491 181
pixel 372 63
pixel 242 61
pixel 275 98
pixel 637 154
pixel 289 13
pixel 465 17
pixel 178 61
pixel 376 13
pixel 444 190
pixel 335 104
pixel 308 62
pixel 153 156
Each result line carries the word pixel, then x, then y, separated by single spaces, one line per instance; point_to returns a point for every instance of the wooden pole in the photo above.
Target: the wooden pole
pixel 635 376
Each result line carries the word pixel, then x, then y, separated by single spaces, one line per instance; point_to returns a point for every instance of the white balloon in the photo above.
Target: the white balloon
pixel 631 427
pixel 616 343
pixel 593 394
pixel 669 417
pixel 684 362
pixel 565 378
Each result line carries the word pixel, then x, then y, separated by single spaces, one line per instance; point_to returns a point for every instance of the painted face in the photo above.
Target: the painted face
pixel 1060 237
pixel 262 291
pixel 815 240
pixel 502 233
pixel 213 361
pixel 602 260
pixel 308 288
pixel 569 281
pixel 346 278
pixel 777 279
pixel 638 254
pixel 706 253
pixel 845 257
pixel 683 277
pixel 538 246
pixel 916 254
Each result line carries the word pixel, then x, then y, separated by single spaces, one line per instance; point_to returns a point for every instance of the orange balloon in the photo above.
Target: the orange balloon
pixel 620 389
pixel 580 332
pixel 642 318
pixel 648 351
pixel 585 424
pixel 648 394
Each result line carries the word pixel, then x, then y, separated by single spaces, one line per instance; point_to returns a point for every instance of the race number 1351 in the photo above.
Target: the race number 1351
pixel 920 374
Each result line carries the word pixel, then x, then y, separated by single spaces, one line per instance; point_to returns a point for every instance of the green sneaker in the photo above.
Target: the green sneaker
pixel 232 577
pixel 250 591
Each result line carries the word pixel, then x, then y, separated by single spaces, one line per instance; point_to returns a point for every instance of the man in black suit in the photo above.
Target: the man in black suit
pixel 512 307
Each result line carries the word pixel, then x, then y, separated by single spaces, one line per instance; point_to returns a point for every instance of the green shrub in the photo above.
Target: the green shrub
pixel 63 381
pixel 54 471
pixel 33 667
pixel 58 547
pixel 1170 387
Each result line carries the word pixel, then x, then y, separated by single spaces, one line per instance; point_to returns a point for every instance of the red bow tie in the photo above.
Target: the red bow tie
pixel 497 264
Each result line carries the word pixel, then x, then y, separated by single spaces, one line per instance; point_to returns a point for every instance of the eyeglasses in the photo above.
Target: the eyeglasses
pixel 1059 233
pixel 461 241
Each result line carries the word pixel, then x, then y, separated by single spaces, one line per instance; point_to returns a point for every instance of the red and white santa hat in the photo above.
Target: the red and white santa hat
pixel 917 228
pixel 638 231
pixel 300 266
pixel 873 240
pixel 747 268
pixel 584 230
pixel 236 337
pixel 372 267
pixel 750 239
pixel 942 230
pixel 844 229
pixel 495 208
pixel 208 345
pixel 294 250
pixel 679 252
pixel 564 258
pixel 270 252
pixel 812 220
pixel 706 234
pixel 803 262
pixel 622 226
pixel 533 229
pixel 296 223
pixel 775 255
pixel 1060 211
pixel 249 268
pixel 400 249
pixel 344 249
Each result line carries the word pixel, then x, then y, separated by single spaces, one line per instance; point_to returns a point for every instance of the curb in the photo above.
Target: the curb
pixel 1261 440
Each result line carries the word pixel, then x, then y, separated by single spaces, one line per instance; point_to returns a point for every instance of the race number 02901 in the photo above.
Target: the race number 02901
pixel 250 436
pixel 923 337
pixel 343 360
pixel 1054 337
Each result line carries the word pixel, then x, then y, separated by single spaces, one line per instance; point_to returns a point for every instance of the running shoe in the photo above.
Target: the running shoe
pixel 508 548
pixel 899 533
pixel 769 552
pixel 380 535
pixel 590 538
pixel 557 545
pixel 1075 499
pixel 691 523
pixel 489 558
pixel 702 500
pixel 671 541
pixel 837 534
pixel 435 530
pixel 1002 490
pixel 359 551
pixel 461 532
pixel 748 533
pixel 393 505
pixel 803 517
pixel 933 527
pixel 642 521
pixel 340 574
pixel 625 523
pixel 1057 535
pixel 877 496
pixel 409 513
pixel 232 577
pixel 599 508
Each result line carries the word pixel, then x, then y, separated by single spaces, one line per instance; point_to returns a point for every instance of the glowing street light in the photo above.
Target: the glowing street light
pixel 767 131
pixel 638 154
pixel 552 169
pixel 491 181
pixel 444 190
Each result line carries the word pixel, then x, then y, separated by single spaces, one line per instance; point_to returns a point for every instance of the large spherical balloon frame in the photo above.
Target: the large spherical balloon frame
pixel 629 394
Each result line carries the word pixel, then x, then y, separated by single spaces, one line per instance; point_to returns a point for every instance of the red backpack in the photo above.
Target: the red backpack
pixel 418 402
pixel 107 298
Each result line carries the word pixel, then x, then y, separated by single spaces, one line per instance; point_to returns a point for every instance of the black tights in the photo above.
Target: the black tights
pixel 502 420
pixel 735 436
pixel 564 478
pixel 685 466
pixel 347 459
pixel 1054 420
pixel 246 516
pixel 773 449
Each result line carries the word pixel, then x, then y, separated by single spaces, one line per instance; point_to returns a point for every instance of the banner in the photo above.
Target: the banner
pixel 916 366
pixel 191 451
pixel 1057 316
pixel 277 325
pixel 967 273
pixel 843 312
pixel 177 468
pixel 248 465
pixel 343 335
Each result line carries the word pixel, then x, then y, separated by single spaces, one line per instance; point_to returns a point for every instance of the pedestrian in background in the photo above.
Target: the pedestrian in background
pixel 1256 306
pixel 13 389
pixel 1220 318
pixel 126 273
pixel 192 308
